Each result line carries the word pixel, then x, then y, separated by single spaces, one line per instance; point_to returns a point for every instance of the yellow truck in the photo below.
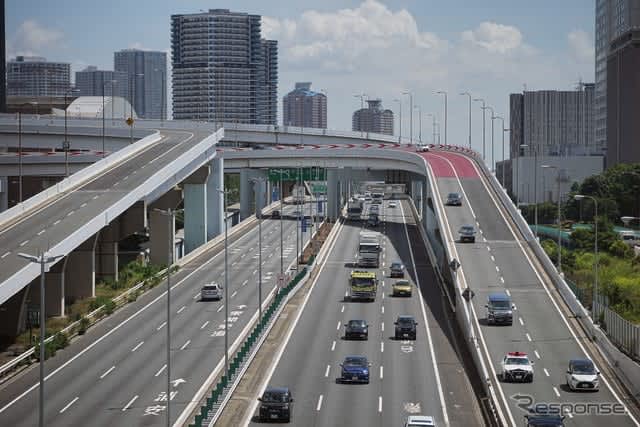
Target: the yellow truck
pixel 363 285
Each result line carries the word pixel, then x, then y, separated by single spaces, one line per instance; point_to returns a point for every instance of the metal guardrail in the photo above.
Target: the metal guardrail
pixel 623 333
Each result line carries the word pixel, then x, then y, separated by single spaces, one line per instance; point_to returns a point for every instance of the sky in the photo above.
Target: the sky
pixel 380 48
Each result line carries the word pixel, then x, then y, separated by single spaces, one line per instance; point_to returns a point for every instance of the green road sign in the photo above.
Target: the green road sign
pixel 292 174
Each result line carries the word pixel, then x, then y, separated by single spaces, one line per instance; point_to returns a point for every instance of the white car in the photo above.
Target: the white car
pixel 582 375
pixel 419 421
pixel 211 291
pixel 393 205
pixel 516 366
pixel 422 148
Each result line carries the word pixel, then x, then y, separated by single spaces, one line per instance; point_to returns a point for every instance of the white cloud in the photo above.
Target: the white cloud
pixel 494 37
pixel 31 38
pixel 581 45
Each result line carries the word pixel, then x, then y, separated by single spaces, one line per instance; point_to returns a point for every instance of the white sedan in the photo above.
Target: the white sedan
pixel 393 205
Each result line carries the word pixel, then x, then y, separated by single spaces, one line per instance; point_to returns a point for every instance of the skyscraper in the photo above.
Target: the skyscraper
pixel 553 123
pixel 35 76
pixel 222 69
pixel 146 80
pixel 304 107
pixel 613 19
pixel 373 118
pixel 94 82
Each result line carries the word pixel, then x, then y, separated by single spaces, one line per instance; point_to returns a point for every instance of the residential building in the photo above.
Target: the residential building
pixel 146 80
pixel 613 19
pixel 304 107
pixel 94 82
pixel 222 69
pixel 35 76
pixel 373 118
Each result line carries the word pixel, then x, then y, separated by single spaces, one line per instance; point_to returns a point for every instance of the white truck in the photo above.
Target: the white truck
pixel 354 210
pixel 369 249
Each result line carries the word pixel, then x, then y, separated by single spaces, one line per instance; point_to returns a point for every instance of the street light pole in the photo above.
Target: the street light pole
pixel 444 92
pixel 433 126
pixel 399 120
pixel 503 131
pixel 257 181
pixel 492 164
pixel 226 286
pixel 484 125
pixel 410 115
pixel 19 157
pixel 469 95
pixel 419 122
pixel 43 259
pixel 595 222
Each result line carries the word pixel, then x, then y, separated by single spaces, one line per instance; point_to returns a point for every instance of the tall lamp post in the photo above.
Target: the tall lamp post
pixel 65 143
pixel 469 95
pixel 104 84
pixel 559 213
pixel 419 108
pixel 399 120
pixel 408 92
pixel 226 284
pixel 256 182
pixel 503 131
pixel 171 213
pixel 42 259
pixel 595 222
pixel 492 164
pixel 433 126
pixel 484 126
pixel 19 157
pixel 444 92
pixel 281 171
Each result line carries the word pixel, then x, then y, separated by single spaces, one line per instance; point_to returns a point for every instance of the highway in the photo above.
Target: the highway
pixel 406 377
pixel 56 220
pixel 497 261
pixel 116 375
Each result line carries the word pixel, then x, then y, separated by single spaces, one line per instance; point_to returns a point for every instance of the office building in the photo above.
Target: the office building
pixel 146 80
pixel 94 82
pixel 614 18
pixel 222 69
pixel 304 107
pixel 553 123
pixel 373 118
pixel 35 76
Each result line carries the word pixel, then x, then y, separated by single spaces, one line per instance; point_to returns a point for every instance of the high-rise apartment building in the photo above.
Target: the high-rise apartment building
pixel 94 82
pixel 613 19
pixel 373 118
pixel 222 69
pixel 35 76
pixel 304 107
pixel 553 123
pixel 146 80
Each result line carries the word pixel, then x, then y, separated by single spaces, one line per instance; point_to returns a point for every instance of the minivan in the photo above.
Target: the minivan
pixel 499 309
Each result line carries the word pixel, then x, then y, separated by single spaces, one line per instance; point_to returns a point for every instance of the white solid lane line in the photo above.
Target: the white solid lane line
pixel 319 405
pixel 161 370
pixel 161 326
pixel 185 345
pixel 182 309
pixel 204 325
pixel 128 405
pixel 107 372
pixel 69 404
pixel 326 372
pixel 137 347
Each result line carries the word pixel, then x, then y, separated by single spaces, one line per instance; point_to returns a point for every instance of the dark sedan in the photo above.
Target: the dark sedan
pixel 356 329
pixel 276 404
pixel 355 369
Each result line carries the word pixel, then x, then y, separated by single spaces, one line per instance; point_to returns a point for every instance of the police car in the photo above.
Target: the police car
pixel 516 366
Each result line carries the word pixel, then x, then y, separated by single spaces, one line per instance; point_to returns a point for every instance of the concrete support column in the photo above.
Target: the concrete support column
pixel 333 194
pixel 54 292
pixel 160 238
pixel 4 193
pixel 107 251
pixel 215 199
pixel 195 209
pixel 13 313
pixel 79 274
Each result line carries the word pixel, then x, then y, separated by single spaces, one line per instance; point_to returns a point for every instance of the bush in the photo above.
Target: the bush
pixel 109 307
pixel 60 341
pixel 132 297
pixel 98 302
pixel 83 326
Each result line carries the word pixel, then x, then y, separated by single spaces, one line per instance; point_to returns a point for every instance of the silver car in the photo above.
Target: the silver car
pixel 211 291
pixel 582 375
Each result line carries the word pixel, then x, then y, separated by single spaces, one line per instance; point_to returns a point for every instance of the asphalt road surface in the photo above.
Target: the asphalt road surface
pixel 406 377
pixel 119 375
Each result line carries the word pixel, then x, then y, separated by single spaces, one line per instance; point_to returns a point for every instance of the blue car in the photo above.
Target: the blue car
pixel 355 369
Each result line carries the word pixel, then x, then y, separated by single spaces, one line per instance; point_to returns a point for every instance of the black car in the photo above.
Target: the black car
pixel 454 199
pixel 405 328
pixel 373 220
pixel 396 269
pixel 275 214
pixel 356 329
pixel 544 420
pixel 276 404
pixel 467 234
